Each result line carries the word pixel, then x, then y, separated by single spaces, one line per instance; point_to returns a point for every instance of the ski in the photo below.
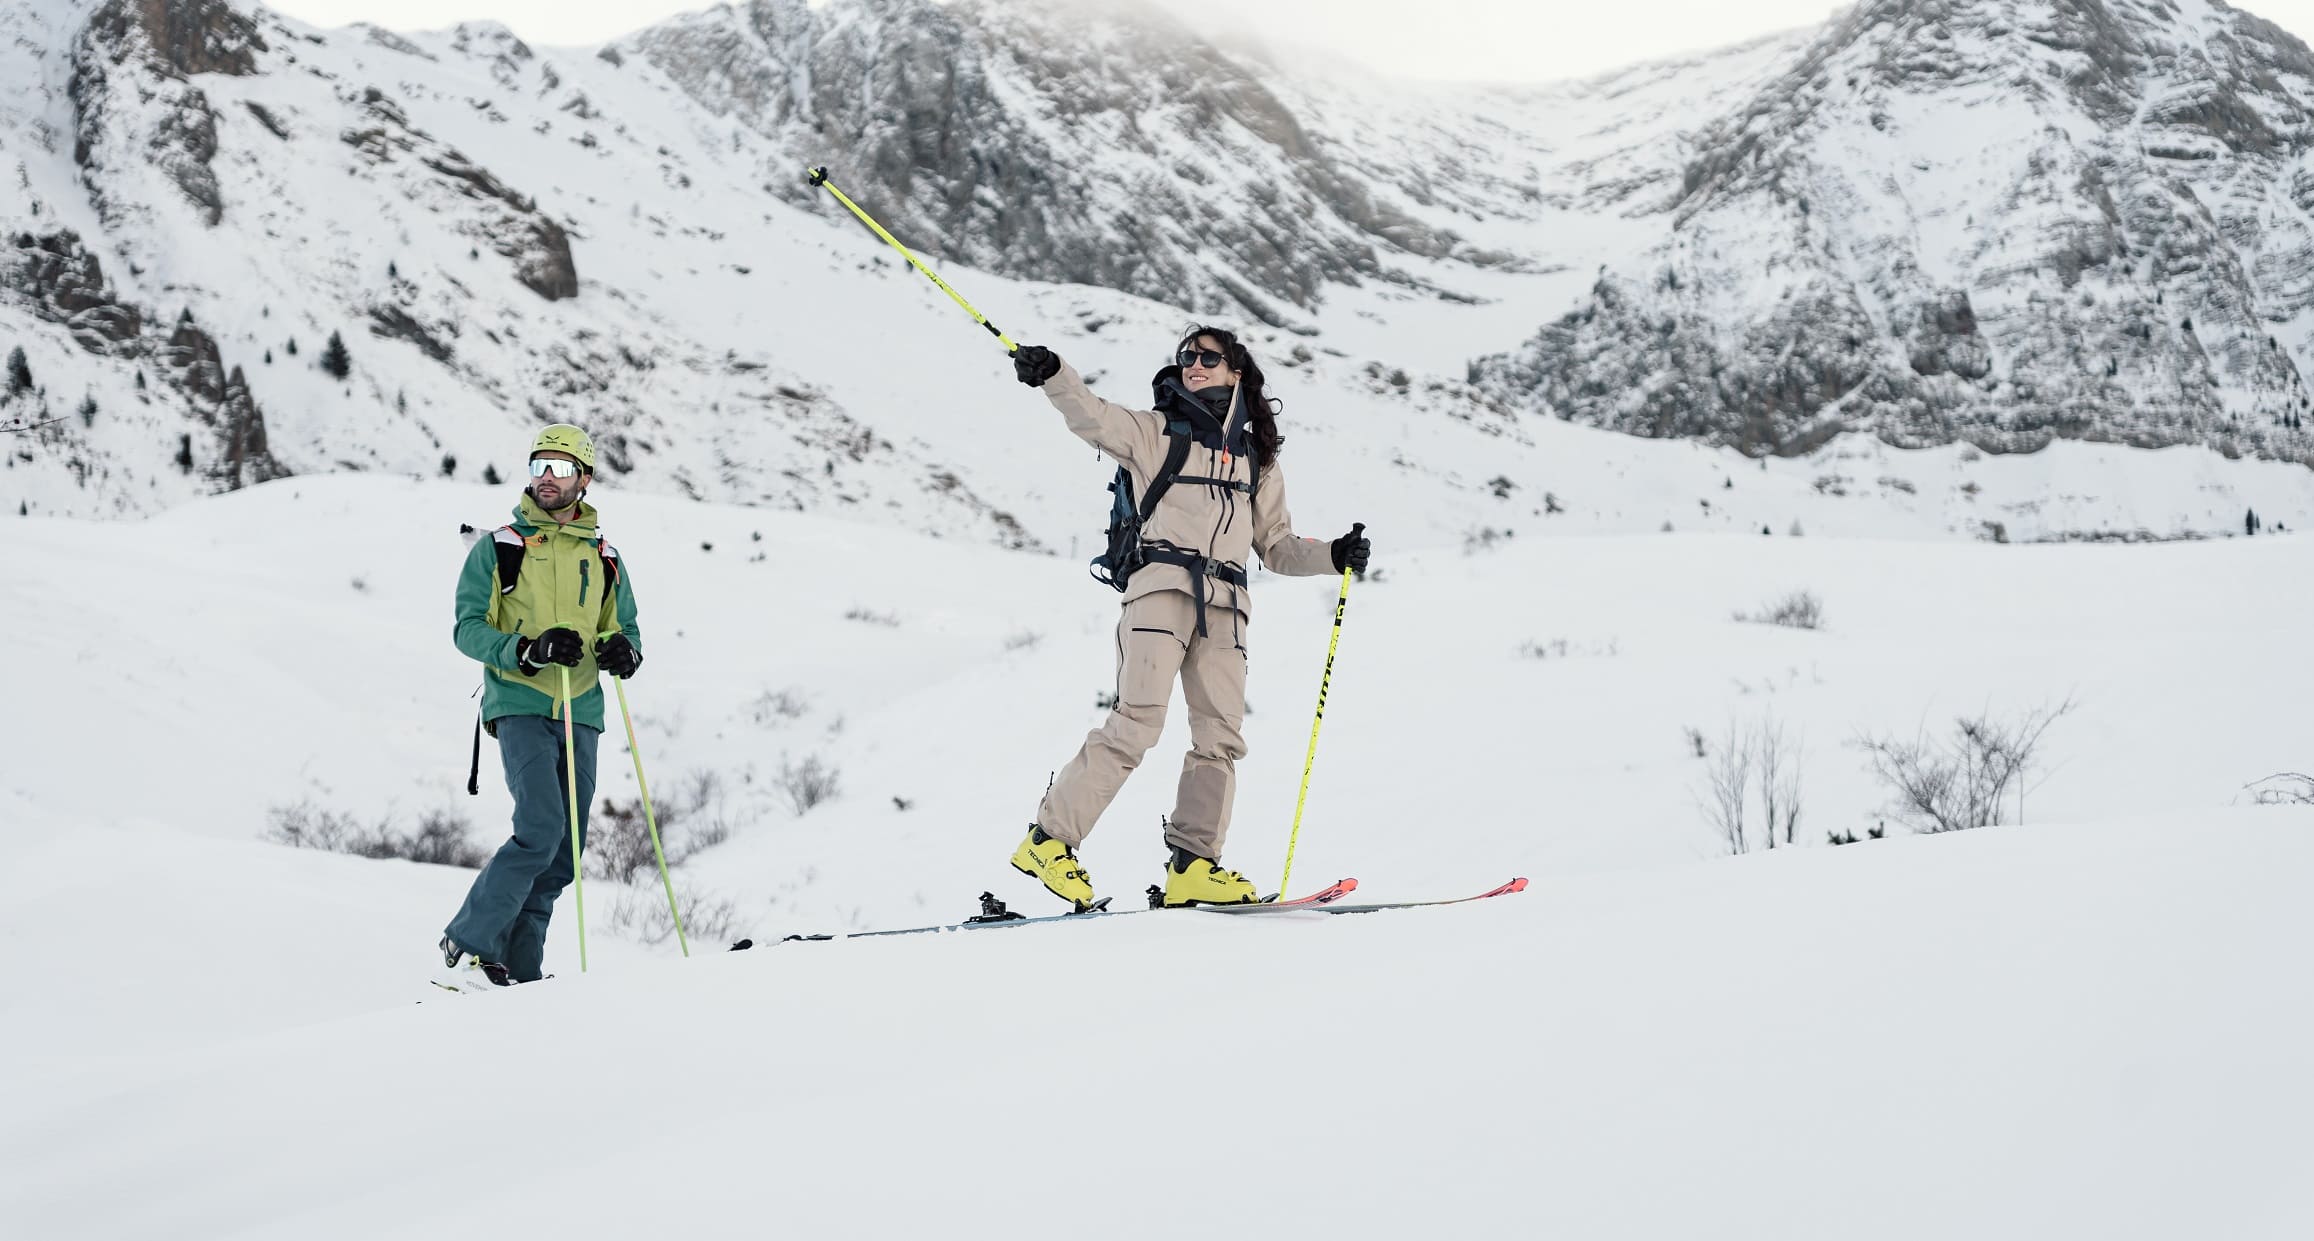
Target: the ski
pixel 1364 907
pixel 993 914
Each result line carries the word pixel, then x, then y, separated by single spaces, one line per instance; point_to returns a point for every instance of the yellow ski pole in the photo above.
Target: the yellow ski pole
pixel 1341 604
pixel 819 178
pixel 650 817
pixel 570 771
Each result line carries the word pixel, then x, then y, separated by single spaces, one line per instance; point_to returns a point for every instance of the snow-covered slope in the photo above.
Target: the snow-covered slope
pixel 2012 1032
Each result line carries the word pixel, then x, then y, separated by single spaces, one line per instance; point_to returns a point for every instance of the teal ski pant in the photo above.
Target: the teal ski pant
pixel 506 911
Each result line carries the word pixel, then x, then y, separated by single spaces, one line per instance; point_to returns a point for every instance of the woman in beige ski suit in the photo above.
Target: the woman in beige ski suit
pixel 1186 604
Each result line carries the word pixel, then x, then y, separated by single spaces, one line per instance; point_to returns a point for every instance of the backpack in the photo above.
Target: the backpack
pixel 1125 554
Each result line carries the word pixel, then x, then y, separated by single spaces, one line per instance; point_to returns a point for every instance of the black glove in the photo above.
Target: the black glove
pixel 1033 364
pixel 1353 550
pixel 618 656
pixel 555 646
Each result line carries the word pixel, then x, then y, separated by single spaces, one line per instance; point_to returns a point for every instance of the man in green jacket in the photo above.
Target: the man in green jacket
pixel 541 599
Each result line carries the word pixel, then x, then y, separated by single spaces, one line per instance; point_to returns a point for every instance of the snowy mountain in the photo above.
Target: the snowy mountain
pixel 1755 249
pixel 2004 221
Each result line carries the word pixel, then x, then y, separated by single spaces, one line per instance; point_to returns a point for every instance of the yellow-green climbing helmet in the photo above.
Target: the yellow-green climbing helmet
pixel 563 437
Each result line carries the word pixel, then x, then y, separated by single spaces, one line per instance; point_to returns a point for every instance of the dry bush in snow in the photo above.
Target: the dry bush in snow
pixel 441 838
pixel 1756 767
pixel 1968 779
pixel 1800 609
pixel 808 783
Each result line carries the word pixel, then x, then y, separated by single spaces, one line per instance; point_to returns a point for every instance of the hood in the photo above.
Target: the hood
pixel 1205 416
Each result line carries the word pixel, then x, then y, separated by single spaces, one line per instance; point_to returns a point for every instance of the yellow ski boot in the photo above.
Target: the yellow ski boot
pixel 1055 865
pixel 1197 881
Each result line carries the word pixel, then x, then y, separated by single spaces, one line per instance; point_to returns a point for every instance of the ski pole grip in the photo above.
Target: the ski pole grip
pixel 1357 528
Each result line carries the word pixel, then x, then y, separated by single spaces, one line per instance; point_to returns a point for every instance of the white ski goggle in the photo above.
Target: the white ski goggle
pixel 560 469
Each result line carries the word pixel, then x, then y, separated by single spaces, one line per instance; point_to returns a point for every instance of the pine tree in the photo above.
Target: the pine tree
pixel 140 381
pixel 292 346
pixel 392 273
pixel 449 466
pixel 185 452
pixel 19 372
pixel 88 411
pixel 335 359
pixel 269 357
pixel 490 475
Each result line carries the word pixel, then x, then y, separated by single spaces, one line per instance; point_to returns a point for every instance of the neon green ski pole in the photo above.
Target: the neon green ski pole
pixel 650 817
pixel 819 178
pixel 1325 683
pixel 570 771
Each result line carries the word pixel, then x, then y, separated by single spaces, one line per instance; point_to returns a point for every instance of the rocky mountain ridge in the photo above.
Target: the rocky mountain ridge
pixel 1996 221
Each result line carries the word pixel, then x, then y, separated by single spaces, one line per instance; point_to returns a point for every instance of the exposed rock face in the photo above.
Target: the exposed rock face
pixel 511 224
pixel 65 284
pixel 185 36
pixel 395 323
pixel 221 400
pixel 1111 148
pixel 168 121
pixel 1993 220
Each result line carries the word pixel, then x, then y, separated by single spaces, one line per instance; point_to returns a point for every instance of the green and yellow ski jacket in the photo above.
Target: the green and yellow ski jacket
pixel 567 578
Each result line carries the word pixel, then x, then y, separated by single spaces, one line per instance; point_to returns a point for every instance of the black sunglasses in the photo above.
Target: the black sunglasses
pixel 1207 358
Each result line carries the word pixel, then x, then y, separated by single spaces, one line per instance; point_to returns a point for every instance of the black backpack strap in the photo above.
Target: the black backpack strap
pixel 1177 442
pixel 474 765
pixel 610 557
pixel 510 552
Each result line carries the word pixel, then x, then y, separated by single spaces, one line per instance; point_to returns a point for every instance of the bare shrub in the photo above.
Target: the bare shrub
pixel 1756 766
pixel 1696 742
pixel 442 838
pixel 1561 648
pixel 1798 610
pixel 2285 789
pixel 1966 780
pixel 1023 640
pixel 808 783
pixel 772 707
pixel 643 914
pixel 307 826
pixel 1484 539
pixel 1727 782
pixel 691 819
pixel 868 617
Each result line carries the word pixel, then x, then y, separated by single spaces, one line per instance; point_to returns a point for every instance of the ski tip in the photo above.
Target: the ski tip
pixel 1515 885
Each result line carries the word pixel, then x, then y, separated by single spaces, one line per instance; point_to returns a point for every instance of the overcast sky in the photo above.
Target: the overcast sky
pixel 1503 40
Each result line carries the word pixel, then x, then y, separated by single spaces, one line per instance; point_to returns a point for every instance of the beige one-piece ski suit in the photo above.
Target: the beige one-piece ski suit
pixel 1160 634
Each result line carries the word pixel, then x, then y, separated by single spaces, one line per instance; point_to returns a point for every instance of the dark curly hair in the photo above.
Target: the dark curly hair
pixel 1261 408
